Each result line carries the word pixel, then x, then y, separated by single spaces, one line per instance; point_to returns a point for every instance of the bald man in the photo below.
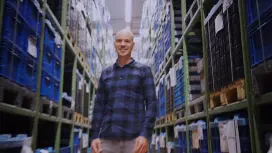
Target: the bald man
pixel 125 103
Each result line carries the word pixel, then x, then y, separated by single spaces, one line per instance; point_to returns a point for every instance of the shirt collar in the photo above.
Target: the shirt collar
pixel 130 64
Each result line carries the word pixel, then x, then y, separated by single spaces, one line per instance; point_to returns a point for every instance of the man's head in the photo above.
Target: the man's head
pixel 124 43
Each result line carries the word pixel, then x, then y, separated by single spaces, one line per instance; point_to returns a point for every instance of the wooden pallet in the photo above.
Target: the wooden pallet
pixel 80 55
pixel 231 94
pixel 48 107
pixel 86 120
pixel 197 105
pixel 180 113
pixel 169 118
pixel 70 37
pixel 14 94
pixel 162 120
pixel 77 117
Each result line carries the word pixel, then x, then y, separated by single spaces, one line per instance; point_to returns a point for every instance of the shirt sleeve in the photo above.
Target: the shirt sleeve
pixel 151 104
pixel 99 108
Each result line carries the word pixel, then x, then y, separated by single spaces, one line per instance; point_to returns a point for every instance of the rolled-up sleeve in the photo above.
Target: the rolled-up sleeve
pixel 151 103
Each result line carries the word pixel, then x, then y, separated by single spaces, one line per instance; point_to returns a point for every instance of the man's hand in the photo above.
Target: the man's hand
pixel 141 145
pixel 96 146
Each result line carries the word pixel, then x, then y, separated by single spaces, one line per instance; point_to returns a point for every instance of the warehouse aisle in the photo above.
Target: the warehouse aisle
pixel 210 60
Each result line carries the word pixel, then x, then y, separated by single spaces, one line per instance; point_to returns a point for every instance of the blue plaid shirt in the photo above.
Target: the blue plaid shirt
pixel 125 103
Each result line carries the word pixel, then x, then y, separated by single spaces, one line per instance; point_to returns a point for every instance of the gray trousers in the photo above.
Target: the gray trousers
pixel 117 146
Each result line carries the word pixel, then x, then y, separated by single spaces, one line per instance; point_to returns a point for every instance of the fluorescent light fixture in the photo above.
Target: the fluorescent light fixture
pixel 128 11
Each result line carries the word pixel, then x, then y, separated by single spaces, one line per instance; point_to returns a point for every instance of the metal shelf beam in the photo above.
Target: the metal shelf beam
pixel 16 110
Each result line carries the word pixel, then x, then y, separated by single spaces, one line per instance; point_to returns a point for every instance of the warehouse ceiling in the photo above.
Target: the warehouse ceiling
pixel 117 11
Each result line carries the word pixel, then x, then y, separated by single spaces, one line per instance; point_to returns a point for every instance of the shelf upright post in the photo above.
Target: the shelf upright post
pixel 255 141
pixel 2 4
pixel 89 104
pixel 172 27
pixel 186 71
pixel 73 91
pixel 60 113
pixel 205 69
pixel 38 85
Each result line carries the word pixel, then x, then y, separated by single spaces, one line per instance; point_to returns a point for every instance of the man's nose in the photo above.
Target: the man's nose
pixel 122 43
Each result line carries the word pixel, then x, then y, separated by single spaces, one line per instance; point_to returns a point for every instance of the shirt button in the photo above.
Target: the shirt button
pixel 121 78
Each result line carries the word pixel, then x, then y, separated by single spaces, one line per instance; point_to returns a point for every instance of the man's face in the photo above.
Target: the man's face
pixel 124 44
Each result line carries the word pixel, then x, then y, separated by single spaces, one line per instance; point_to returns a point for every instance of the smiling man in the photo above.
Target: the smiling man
pixel 125 104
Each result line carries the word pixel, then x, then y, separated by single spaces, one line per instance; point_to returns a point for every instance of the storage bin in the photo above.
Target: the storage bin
pixel 8 28
pixel 65 150
pixel 204 142
pixel 30 73
pixel 48 61
pixel 11 62
pixel 58 51
pixel 56 68
pixel 252 9
pixel 261 51
pixel 47 85
pixel 56 91
pixel 34 16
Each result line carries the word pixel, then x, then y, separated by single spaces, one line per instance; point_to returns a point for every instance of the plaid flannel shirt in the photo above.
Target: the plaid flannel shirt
pixel 126 103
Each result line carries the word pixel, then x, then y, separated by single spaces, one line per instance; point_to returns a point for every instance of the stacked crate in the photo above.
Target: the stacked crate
pixel 198 137
pixel 242 133
pixel 259 24
pixel 225 61
pixel 194 82
pixel 19 48
pixel 51 64
pixel 167 29
pixel 177 20
pixel 169 95
pixel 162 99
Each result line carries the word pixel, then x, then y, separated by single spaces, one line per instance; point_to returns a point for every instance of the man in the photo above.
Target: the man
pixel 125 104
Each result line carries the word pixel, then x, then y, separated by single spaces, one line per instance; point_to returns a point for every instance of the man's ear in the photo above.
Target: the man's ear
pixel 133 46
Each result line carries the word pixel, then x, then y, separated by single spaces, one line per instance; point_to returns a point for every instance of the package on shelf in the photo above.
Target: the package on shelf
pixel 163 140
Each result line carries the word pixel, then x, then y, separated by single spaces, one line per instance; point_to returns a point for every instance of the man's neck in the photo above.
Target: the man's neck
pixel 122 61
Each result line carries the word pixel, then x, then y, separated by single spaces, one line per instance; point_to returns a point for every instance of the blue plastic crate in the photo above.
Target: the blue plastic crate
pixel 48 61
pixel 65 150
pixel 8 22
pixel 259 51
pixel 58 51
pixel 56 91
pixel 22 5
pixel 76 148
pixel 56 69
pixel 47 85
pixel 49 149
pixel 34 17
pixel 49 39
pixel 30 73
pixel 11 62
pixel 252 10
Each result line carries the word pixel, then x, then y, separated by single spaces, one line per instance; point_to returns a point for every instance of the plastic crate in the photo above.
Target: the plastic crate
pixel 34 17
pixel 8 22
pixel 259 53
pixel 49 149
pixel 30 73
pixel 49 39
pixel 58 51
pixel 243 135
pixel 65 150
pixel 252 9
pixel 76 148
pixel 47 85
pixel 48 61
pixel 56 91
pixel 56 68
pixel 11 62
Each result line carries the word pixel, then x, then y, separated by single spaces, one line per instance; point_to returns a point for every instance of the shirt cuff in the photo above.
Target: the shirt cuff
pixel 147 133
pixel 95 135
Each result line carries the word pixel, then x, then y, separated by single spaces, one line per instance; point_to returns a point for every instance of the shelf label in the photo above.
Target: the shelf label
pixel 32 49
pixel 219 25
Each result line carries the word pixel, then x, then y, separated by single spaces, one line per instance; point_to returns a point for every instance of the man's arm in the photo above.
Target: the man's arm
pixel 99 106
pixel 151 104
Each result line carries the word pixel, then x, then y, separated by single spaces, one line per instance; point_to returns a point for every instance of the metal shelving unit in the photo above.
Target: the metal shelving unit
pixel 67 46
pixel 249 104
